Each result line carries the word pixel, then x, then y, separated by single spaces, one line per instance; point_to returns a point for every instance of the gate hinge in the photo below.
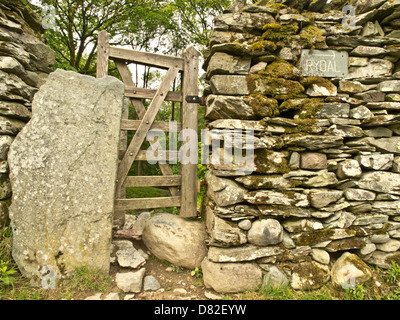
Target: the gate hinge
pixel 196 99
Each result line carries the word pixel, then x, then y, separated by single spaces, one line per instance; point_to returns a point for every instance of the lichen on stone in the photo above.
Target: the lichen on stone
pixel 273 86
pixel 312 37
pixel 282 69
pixel 262 47
pixel 277 32
pixel 264 106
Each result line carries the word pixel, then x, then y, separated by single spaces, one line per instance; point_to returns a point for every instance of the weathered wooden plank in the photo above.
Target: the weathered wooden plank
pixel 189 121
pixel 164 154
pixel 147 203
pixel 148 59
pixel 153 181
pixel 103 51
pixel 140 93
pixel 141 111
pixel 145 126
pixel 133 125
pixel 143 156
pixel 127 79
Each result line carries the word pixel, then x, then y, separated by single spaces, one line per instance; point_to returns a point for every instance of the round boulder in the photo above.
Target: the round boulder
pixel 231 277
pixel 265 232
pixel 177 240
pixel 349 271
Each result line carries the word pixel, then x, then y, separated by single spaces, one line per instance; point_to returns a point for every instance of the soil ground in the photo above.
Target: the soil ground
pixel 177 283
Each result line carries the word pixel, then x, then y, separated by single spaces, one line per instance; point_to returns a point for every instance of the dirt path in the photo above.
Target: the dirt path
pixel 176 283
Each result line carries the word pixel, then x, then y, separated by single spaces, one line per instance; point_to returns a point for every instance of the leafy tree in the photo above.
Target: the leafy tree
pixel 78 22
pixel 195 18
pixel 151 25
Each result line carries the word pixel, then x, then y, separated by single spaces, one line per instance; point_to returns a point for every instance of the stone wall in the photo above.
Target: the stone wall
pixel 327 150
pixel 24 66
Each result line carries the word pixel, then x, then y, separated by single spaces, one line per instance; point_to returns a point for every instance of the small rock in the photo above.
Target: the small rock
pixel 258 67
pixel 323 197
pixel 129 297
pixel 294 162
pixel 212 296
pixel 367 249
pixel 379 238
pixel 323 179
pixel 130 258
pixel 396 165
pixel 349 169
pixel 112 296
pixel 359 195
pixel 320 256
pixel 361 113
pixel 245 224
pixel 177 240
pixel 141 222
pixel 97 296
pixel 231 277
pixel 223 191
pixel 313 161
pixel 180 291
pixel 379 132
pixel 376 161
pixel 320 90
pixel 265 232
pixel 130 220
pixel 150 283
pixel 275 278
pixel 349 270
pixel 389 145
pixel 130 281
pixel 309 276
pixel 383 259
pixel 390 246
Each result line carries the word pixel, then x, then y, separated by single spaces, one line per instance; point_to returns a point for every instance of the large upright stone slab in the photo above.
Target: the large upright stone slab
pixel 63 168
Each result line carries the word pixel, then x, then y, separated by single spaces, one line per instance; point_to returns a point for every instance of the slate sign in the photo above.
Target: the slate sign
pixel 324 63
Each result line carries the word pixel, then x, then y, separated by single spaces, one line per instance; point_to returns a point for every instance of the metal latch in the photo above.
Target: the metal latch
pixel 196 99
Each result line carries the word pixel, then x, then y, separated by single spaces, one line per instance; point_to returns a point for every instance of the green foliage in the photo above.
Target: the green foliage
pixel 197 273
pixel 357 293
pixel 176 268
pixel 277 293
pixel 393 295
pixel 5 242
pixel 150 25
pixel 6 273
pixel 84 280
pixel 393 274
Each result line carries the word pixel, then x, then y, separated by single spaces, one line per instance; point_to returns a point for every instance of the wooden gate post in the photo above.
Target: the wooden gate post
pixel 189 121
pixel 103 53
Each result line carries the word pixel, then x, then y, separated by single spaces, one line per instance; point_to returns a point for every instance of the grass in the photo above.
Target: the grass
pixel 82 283
pixel 384 285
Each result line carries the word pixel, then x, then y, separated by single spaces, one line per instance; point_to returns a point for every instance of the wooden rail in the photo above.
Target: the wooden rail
pixel 183 187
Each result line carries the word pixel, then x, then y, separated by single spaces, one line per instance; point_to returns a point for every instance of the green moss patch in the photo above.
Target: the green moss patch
pixel 272 86
pixel 263 106
pixel 312 37
pixel 313 237
pixel 277 32
pixel 283 69
pixel 262 47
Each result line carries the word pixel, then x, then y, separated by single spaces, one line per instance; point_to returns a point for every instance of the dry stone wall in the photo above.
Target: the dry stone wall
pixel 326 178
pixel 25 63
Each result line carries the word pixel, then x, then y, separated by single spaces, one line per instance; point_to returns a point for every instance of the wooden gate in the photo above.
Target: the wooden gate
pixel 182 188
